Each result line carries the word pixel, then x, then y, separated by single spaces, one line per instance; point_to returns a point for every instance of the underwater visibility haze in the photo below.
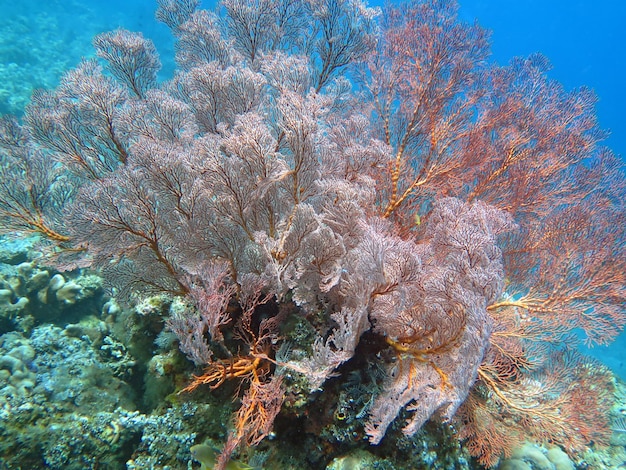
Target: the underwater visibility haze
pixel 307 234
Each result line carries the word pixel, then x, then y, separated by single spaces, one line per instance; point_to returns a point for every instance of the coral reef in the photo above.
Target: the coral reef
pixel 100 393
pixel 532 457
pixel 31 293
pixel 54 387
pixel 266 259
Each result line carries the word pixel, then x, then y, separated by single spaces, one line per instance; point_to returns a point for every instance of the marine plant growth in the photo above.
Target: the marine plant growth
pixel 367 170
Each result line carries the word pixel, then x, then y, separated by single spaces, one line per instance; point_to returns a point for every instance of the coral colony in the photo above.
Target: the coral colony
pixel 339 198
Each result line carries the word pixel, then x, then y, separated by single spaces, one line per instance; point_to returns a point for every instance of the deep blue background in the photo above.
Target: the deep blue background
pixel 585 41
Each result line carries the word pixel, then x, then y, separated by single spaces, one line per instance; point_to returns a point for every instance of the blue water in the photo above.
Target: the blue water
pixel 585 41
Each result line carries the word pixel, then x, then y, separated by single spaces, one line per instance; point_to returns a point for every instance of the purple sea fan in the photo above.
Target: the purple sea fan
pixel 436 321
